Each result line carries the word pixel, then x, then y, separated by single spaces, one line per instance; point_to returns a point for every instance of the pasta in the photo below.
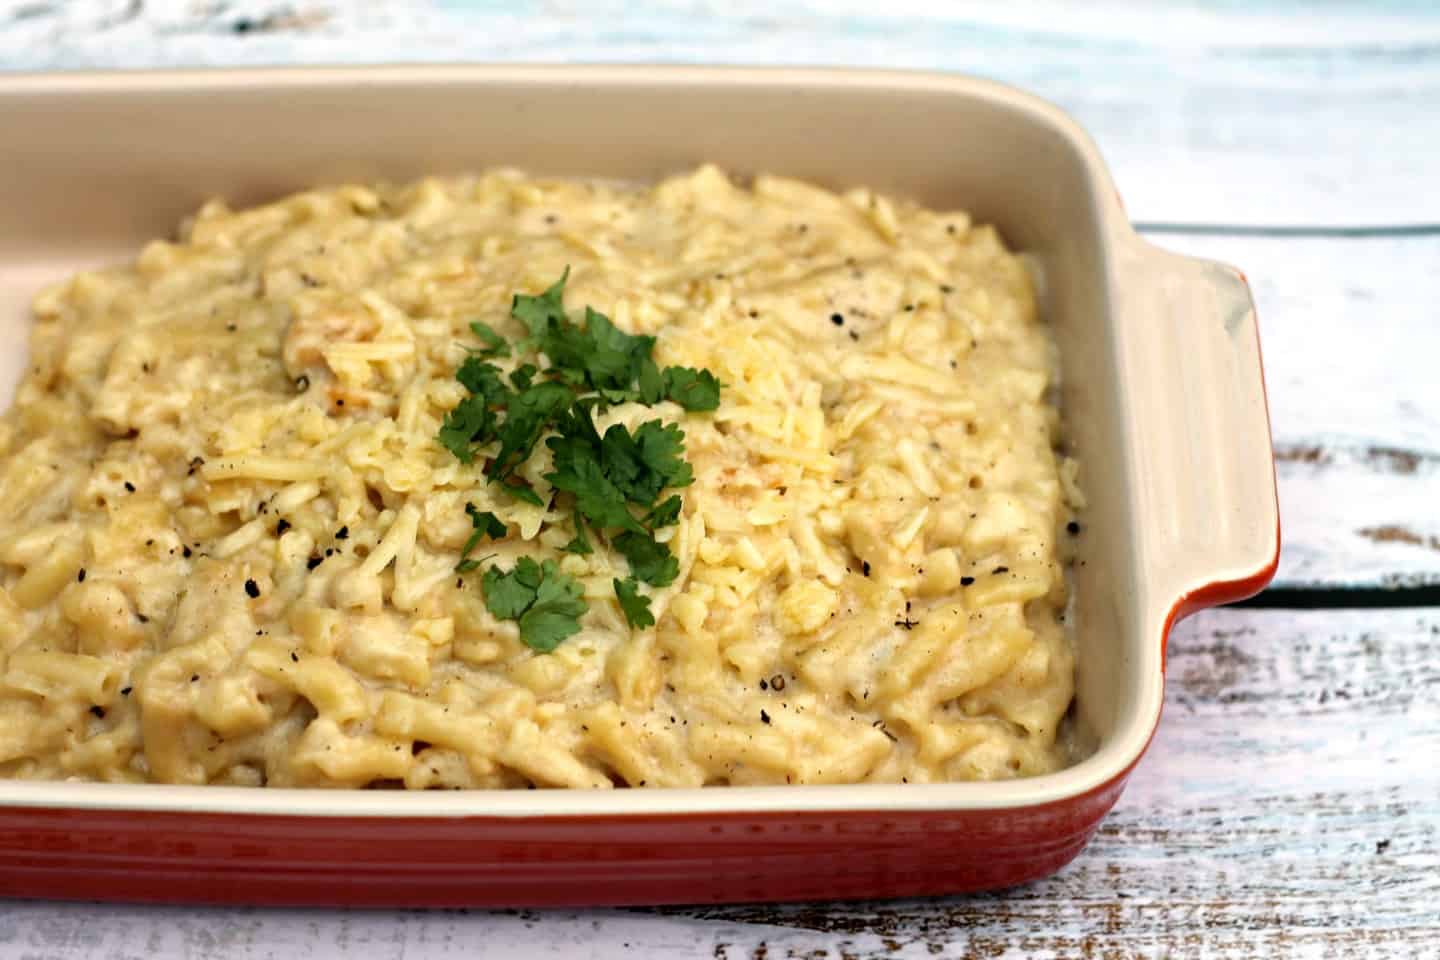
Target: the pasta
pixel 229 536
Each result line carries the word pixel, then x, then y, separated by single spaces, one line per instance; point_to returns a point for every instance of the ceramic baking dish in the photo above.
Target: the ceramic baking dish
pixel 1162 397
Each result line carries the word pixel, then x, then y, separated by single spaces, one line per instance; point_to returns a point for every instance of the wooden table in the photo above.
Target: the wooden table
pixel 1290 805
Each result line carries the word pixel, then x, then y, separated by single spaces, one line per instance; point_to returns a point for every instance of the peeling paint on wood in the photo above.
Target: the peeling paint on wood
pixel 1251 113
pixel 1290 804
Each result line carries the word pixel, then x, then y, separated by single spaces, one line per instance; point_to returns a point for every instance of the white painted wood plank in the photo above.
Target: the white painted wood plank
pixel 1287 808
pixel 1209 113
pixel 1350 329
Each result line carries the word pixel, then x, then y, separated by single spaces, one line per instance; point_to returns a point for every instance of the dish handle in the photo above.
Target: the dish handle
pixel 1209 524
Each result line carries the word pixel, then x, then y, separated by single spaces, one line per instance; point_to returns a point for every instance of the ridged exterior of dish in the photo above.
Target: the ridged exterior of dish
pixel 1162 389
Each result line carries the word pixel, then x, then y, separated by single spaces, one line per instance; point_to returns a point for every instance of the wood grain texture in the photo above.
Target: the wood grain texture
pixel 1287 808
pixel 1209 113
pixel 1290 804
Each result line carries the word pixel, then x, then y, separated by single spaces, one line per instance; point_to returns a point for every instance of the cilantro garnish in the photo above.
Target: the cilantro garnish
pixel 485 525
pixel 546 603
pixel 471 422
pixel 527 416
pixel 615 482
pixel 580 543
pixel 495 345
pixel 635 605
pixel 650 560
pixel 667 513
pixel 695 390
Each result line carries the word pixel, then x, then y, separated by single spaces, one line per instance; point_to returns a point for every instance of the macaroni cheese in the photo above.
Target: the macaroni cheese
pixel 229 536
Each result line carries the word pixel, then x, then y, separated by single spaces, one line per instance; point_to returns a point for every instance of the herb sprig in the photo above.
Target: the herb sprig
pixel 615 480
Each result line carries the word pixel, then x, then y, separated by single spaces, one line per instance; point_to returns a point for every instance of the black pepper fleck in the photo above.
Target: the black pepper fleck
pixel 125 691
pixel 80 577
pixel 185 552
pixel 865 567
pixel 342 533
pixel 1072 528
pixel 194 677
pixel 252 589
pixel 129 487
pixel 837 319
pixel 764 717
pixel 98 711
pixel 764 685
pixel 999 570
pixel 282 526
pixel 966 581
pixel 294 657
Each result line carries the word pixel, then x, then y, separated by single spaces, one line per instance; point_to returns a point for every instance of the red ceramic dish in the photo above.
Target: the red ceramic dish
pixel 1162 394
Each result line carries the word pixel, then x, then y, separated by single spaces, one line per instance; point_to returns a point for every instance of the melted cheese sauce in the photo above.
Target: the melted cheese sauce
pixel 228 534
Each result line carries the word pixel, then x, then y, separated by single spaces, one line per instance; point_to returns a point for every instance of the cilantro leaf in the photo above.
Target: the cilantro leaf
pixel 484 524
pixel 695 390
pixel 472 421
pixel 620 459
pixel 495 345
pixel 662 449
pixel 526 417
pixel 580 543
pixel 578 471
pixel 650 561
pixel 652 383
pixel 538 313
pixel 614 358
pixel 508 595
pixel 646 462
pixel 545 602
pixel 523 375
pixel 482 378
pixel 522 493
pixel 665 514
pixel 556 612
pixel 635 604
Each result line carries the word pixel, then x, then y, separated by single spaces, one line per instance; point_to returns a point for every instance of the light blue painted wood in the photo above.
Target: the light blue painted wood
pixel 1287 808
pixel 1209 113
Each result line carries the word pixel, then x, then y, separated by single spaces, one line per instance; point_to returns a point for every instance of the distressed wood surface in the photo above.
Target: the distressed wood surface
pixel 1288 808
pixel 1218 112
pixel 1290 805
